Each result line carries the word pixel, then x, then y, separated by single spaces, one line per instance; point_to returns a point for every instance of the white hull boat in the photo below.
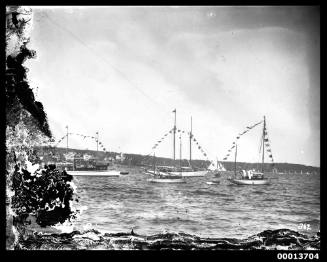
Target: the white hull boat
pixel 166 180
pixel 150 172
pixel 249 181
pixel 213 182
pixel 191 173
pixel 159 173
pixel 107 173
pixel 165 177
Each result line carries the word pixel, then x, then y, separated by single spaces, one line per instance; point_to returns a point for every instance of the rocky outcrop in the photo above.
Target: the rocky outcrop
pixel 282 239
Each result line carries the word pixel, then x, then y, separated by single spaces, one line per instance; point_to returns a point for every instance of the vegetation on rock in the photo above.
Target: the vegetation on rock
pixel 44 193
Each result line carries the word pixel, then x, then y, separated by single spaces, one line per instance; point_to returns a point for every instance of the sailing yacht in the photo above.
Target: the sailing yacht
pixel 167 175
pixel 159 176
pixel 191 171
pixel 252 177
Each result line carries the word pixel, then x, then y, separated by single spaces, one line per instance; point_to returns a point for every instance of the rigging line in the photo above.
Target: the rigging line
pixel 101 58
pixel 260 147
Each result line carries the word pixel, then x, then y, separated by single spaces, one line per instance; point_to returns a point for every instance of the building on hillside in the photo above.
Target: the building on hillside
pixel 69 166
pixel 80 164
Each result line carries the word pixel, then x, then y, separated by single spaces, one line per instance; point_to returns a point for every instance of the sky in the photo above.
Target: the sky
pixel 121 71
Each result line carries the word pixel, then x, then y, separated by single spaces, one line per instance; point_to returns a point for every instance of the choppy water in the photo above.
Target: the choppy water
pixel 224 210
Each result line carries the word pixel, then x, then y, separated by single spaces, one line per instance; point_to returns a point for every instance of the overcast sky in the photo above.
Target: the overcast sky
pixel 122 70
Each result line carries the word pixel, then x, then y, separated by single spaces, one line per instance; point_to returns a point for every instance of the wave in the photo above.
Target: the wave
pixel 269 199
pixel 93 239
pixel 199 192
pixel 168 221
pixel 258 192
pixel 311 222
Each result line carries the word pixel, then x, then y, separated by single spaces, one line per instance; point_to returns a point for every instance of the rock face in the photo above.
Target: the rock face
pixel 10 236
pixel 91 239
pixel 26 120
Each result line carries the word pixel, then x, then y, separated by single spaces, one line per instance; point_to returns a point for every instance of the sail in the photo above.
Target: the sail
pixel 221 167
pixel 212 167
pixel 216 166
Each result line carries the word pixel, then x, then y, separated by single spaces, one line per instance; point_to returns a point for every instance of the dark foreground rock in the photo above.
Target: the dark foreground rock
pixel 282 239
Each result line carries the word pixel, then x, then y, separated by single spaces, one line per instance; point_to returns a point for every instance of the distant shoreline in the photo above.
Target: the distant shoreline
pixel 139 160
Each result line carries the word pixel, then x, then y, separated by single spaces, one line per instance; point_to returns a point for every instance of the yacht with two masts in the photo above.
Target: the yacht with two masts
pixel 176 174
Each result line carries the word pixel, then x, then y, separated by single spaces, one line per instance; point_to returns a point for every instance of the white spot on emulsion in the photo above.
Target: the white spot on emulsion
pixel 211 14
pixel 88 226
pixel 32 168
pixel 74 187
pixel 66 227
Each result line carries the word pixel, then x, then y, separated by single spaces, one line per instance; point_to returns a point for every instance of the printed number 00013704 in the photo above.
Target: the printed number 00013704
pixel 299 256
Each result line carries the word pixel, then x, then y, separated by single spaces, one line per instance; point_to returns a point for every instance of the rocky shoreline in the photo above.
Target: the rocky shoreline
pixel 282 239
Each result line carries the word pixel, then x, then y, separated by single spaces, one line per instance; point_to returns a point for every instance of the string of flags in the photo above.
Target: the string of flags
pixel 101 145
pixel 84 136
pixel 58 142
pixel 182 132
pixel 200 148
pixel 267 145
pixel 162 139
pixel 248 128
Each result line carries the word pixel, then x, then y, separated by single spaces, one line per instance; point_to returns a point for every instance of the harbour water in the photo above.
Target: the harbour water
pixel 129 202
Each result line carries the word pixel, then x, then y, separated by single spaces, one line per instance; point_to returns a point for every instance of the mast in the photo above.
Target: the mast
pixel 191 143
pixel 263 143
pixel 67 139
pixel 180 153
pixel 154 163
pixel 97 139
pixel 235 159
pixel 174 133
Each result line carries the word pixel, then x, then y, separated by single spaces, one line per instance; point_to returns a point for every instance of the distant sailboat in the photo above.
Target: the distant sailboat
pixel 251 177
pixel 216 168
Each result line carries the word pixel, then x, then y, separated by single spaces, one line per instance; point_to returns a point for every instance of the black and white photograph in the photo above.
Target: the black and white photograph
pixel 157 128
